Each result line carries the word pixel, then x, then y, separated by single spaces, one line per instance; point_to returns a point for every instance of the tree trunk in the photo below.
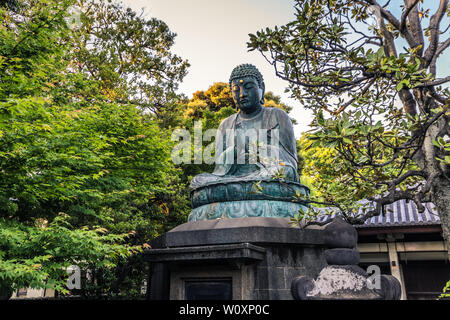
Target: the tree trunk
pixel 440 192
pixel 441 195
pixel 440 186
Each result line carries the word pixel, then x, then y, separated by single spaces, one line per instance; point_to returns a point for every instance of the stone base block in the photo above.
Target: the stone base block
pixel 239 259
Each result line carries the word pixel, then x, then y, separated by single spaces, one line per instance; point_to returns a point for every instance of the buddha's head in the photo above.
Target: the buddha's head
pixel 247 88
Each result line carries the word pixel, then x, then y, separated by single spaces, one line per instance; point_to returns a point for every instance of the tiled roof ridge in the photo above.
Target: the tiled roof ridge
pixel 399 213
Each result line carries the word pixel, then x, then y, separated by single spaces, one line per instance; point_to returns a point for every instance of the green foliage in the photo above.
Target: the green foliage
pixel 377 109
pixel 301 218
pixel 356 155
pixel 31 51
pixel 85 177
pixel 11 4
pixel 445 291
pixel 38 256
pixel 128 54
pixel 443 146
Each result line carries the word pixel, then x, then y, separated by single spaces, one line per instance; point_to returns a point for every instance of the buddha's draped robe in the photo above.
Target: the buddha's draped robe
pixel 277 142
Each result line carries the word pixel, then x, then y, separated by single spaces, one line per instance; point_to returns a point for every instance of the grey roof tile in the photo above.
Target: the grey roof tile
pixel 400 213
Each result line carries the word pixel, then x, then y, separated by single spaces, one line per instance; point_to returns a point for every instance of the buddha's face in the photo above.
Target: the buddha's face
pixel 246 94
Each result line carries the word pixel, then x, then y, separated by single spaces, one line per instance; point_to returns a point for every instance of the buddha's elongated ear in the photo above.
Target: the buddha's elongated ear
pixel 262 101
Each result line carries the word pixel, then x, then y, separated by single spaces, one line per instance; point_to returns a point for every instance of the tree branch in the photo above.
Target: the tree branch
pixel 408 101
pixel 442 47
pixel 414 24
pixel 391 197
pixel 434 83
pixel 434 32
pixel 438 97
pixel 406 13
pixel 363 91
pixel 392 20
pixel 439 51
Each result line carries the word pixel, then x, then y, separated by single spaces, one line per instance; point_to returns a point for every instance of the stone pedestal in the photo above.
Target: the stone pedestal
pixel 343 279
pixel 253 258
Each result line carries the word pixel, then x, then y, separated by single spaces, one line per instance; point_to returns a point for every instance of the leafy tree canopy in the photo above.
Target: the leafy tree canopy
pixel 128 54
pixel 370 72
pixel 85 178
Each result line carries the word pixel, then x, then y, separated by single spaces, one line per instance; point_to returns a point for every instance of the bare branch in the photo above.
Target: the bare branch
pixel 439 50
pixel 414 23
pixel 438 97
pixel 363 91
pixel 434 83
pixel 434 32
pixel 392 20
pixel 446 29
pixel 385 13
pixel 408 101
pixel 365 36
pixel 442 47
pixel 406 13
pixel 403 177
pixel 389 48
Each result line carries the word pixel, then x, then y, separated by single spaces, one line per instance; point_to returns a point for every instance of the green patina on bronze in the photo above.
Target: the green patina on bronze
pixel 228 192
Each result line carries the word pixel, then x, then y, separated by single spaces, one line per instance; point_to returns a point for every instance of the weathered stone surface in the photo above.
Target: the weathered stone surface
pixel 348 282
pixel 226 231
pixel 340 234
pixel 271 294
pixel 283 294
pixel 290 274
pixel 334 283
pixel 261 255
pixel 160 282
pixel 342 256
pixel 275 277
pixel 233 223
pixel 390 288
pixel 342 279
pixel 300 286
pixel 235 252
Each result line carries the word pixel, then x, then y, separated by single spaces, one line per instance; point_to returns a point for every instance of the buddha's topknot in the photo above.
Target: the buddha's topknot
pixel 245 70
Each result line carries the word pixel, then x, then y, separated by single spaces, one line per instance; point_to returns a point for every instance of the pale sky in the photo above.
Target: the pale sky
pixel 212 36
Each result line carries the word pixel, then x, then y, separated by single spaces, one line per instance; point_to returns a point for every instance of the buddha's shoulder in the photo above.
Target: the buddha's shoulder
pixel 267 111
pixel 227 122
pixel 276 112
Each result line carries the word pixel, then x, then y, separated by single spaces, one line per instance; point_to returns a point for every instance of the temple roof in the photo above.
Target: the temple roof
pixel 399 214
